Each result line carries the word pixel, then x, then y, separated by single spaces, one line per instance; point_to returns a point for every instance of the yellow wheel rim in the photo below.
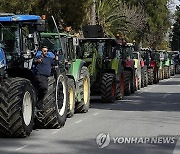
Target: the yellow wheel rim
pixel 71 98
pixel 86 90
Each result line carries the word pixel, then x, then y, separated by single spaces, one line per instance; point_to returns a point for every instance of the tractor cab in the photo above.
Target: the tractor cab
pixel 19 38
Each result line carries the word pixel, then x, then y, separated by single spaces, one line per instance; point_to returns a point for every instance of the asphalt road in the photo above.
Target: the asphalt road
pixel 152 112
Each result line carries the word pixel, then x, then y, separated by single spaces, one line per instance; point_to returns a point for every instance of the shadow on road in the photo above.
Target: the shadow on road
pixel 90 147
pixel 147 101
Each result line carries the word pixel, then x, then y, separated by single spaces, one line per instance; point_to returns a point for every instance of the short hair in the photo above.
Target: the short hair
pixel 44 47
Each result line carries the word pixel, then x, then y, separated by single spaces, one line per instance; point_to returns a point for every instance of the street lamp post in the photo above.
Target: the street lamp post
pixel 93 14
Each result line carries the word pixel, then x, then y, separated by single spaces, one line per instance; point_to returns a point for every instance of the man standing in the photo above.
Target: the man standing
pixel 43 64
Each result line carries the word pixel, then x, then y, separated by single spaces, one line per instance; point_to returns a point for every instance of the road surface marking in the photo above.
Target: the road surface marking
pixel 165 95
pixel 21 147
pixel 55 132
pixel 177 147
pixel 78 121
pixel 114 104
pixel 95 114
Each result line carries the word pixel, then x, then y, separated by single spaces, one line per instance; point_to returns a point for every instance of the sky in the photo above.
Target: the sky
pixel 173 6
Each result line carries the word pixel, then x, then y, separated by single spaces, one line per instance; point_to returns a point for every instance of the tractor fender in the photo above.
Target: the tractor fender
pixel 117 66
pixel 152 64
pixel 21 72
pixel 71 77
pixel 2 59
pixel 129 63
pixel 75 68
pixel 167 63
pixel 142 63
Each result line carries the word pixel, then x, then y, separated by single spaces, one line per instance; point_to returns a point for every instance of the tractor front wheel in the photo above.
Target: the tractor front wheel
pixel 150 76
pixel 71 97
pixel 17 106
pixel 120 88
pixel 84 91
pixel 108 88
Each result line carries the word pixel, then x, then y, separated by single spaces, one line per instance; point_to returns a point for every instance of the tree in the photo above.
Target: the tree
pixel 175 43
pixel 158 20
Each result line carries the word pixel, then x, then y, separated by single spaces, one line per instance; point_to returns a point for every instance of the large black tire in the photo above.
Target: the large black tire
pixel 133 82
pixel 150 76
pixel 156 77
pixel 127 83
pixel 108 88
pixel 120 88
pixel 142 78
pixel 17 104
pixel 71 97
pixel 163 73
pixel 177 69
pixel 166 72
pixel 160 74
pixel 84 91
pixel 55 104
pixel 172 69
pixel 145 77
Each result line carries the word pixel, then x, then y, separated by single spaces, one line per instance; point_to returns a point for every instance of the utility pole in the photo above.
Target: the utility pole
pixel 93 13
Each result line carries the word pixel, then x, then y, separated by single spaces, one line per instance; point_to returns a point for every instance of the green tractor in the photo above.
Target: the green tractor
pixel 161 65
pixel 104 61
pixel 165 64
pixel 171 56
pixel 77 72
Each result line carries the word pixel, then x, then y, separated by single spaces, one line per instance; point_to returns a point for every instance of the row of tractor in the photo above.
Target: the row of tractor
pixel 92 65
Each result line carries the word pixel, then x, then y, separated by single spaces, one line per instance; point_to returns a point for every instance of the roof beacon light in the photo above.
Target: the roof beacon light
pixel 43 17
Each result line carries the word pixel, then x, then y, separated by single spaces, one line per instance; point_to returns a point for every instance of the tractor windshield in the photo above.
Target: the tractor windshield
pixel 135 55
pixel 52 43
pixel 9 40
pixel 127 52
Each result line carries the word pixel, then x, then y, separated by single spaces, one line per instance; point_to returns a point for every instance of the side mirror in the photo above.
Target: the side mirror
pixel 75 42
pixel 41 26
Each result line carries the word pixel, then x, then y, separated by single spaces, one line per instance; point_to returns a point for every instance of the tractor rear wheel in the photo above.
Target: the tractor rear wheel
pixel 177 69
pixel 166 72
pixel 108 88
pixel 160 74
pixel 71 97
pixel 55 104
pixel 143 78
pixel 172 70
pixel 120 88
pixel 84 90
pixel 17 106
pixel 127 83
pixel 156 77
pixel 150 76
